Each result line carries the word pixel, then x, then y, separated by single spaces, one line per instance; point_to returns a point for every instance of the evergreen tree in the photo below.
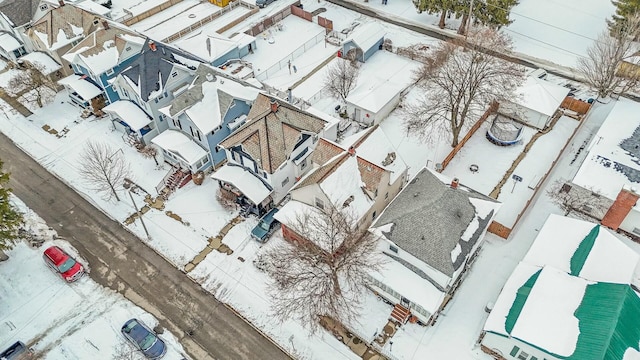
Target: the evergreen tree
pixel 10 218
pixel 442 7
pixel 624 10
pixel 490 13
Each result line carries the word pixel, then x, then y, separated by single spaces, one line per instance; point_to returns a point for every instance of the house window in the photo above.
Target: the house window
pixel 373 216
pixel 285 182
pixel 110 72
pixel 155 100
pixel 191 129
pixel 198 133
pixel 393 248
pixel 523 356
pixel 636 231
pixel 128 48
pixel 43 7
pixel 174 74
pixel 303 164
pixel 319 204
pixel 161 117
pixel 514 351
pixel 386 196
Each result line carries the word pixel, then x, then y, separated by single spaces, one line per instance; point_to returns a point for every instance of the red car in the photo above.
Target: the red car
pixel 63 264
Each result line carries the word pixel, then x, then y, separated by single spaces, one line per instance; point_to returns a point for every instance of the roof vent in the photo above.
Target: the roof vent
pixel 152 45
pixel 210 77
pixel 352 151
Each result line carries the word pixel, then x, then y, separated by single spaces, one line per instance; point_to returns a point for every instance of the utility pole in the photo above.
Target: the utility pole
pixel 138 212
pixel 466 33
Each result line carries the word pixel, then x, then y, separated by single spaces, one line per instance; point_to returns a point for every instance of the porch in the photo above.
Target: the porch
pixel 82 92
pixel 245 188
pixel 128 118
pixel 179 149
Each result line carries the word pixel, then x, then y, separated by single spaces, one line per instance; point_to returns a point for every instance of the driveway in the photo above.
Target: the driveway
pixel 119 260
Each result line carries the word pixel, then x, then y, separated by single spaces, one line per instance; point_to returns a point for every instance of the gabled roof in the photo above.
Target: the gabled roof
pixel 540 95
pixel 436 223
pixel 100 50
pixel 19 12
pixel 570 295
pixel 270 137
pixel 151 70
pixel 366 35
pixel 62 25
pixel 208 98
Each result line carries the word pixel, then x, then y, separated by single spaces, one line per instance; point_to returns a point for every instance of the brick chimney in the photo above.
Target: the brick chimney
pixel 352 151
pixel 61 2
pixel 454 183
pixel 152 45
pixel 620 208
pixel 274 105
pixel 105 24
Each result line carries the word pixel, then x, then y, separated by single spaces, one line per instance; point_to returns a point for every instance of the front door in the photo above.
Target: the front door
pixel 405 302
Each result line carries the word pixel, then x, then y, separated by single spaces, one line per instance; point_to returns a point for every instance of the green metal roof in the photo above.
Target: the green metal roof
pixel 518 303
pixel 609 321
pixel 582 252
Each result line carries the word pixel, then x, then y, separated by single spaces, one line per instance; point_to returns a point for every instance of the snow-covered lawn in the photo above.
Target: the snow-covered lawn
pixel 81 320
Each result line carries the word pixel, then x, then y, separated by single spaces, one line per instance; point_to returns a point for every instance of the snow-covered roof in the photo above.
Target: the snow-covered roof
pixel 208 47
pixel 367 35
pixel 245 181
pixel 93 7
pixel 84 88
pixel 406 282
pixel 206 113
pixel 381 79
pixel 181 145
pixel 8 42
pixel 559 239
pixel 143 6
pixel 540 95
pixel 345 185
pixel 44 60
pixel 130 113
pixel 377 148
pixel 547 316
pixel 613 160
pixel 242 40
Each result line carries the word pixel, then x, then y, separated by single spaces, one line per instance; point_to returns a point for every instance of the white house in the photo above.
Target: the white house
pixel 535 102
pixel 430 234
pixel 610 171
pixel 379 87
pixel 272 150
pixel 569 298
pixel 361 177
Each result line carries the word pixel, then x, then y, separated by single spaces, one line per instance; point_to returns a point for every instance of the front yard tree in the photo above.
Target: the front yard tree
pixel 104 169
pixel 325 275
pixel 459 84
pixel 341 78
pixel 604 67
pixel 36 87
pixel 493 13
pixel 10 217
pixel 442 7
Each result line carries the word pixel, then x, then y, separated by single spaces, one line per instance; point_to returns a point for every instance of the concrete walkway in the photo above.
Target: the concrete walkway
pixel 215 243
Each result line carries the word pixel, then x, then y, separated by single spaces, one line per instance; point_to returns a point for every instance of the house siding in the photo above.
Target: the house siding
pixel 503 346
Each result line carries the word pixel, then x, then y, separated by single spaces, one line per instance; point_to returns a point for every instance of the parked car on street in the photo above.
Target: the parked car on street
pixel 17 351
pixel 266 226
pixel 63 264
pixel 144 339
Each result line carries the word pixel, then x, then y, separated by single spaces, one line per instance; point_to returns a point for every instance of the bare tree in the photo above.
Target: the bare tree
pixel 460 83
pixel 149 152
pixel 126 351
pixel 341 78
pixel 104 168
pixel 324 273
pixel 606 67
pixel 34 84
pixel 581 202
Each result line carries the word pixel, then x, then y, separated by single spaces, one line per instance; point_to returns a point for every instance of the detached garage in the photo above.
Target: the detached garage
pixel 534 102
pixel 364 41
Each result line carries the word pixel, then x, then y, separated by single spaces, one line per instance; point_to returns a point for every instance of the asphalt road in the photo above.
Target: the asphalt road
pixel 120 261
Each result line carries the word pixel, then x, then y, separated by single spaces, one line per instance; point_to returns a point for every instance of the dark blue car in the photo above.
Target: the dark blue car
pixel 266 226
pixel 144 339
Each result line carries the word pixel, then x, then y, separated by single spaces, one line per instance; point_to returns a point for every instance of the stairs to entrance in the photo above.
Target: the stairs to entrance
pixel 400 314
pixel 176 178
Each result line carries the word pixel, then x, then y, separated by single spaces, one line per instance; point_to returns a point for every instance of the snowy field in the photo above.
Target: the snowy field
pixel 81 320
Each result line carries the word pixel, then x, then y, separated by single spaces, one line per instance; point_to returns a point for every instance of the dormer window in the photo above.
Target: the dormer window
pixel 174 74
pixel 319 204
pixel 43 7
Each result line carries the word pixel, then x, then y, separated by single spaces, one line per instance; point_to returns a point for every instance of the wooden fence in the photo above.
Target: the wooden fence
pixel 268 22
pixel 573 104
pixel 492 109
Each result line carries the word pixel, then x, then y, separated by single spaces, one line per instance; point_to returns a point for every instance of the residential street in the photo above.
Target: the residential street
pixel 122 262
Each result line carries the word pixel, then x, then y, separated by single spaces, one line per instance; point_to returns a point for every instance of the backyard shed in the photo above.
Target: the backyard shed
pixel 364 41
pixel 534 102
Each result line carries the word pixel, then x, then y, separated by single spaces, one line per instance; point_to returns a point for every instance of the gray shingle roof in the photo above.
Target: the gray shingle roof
pixel 19 12
pixel 429 218
pixel 151 66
